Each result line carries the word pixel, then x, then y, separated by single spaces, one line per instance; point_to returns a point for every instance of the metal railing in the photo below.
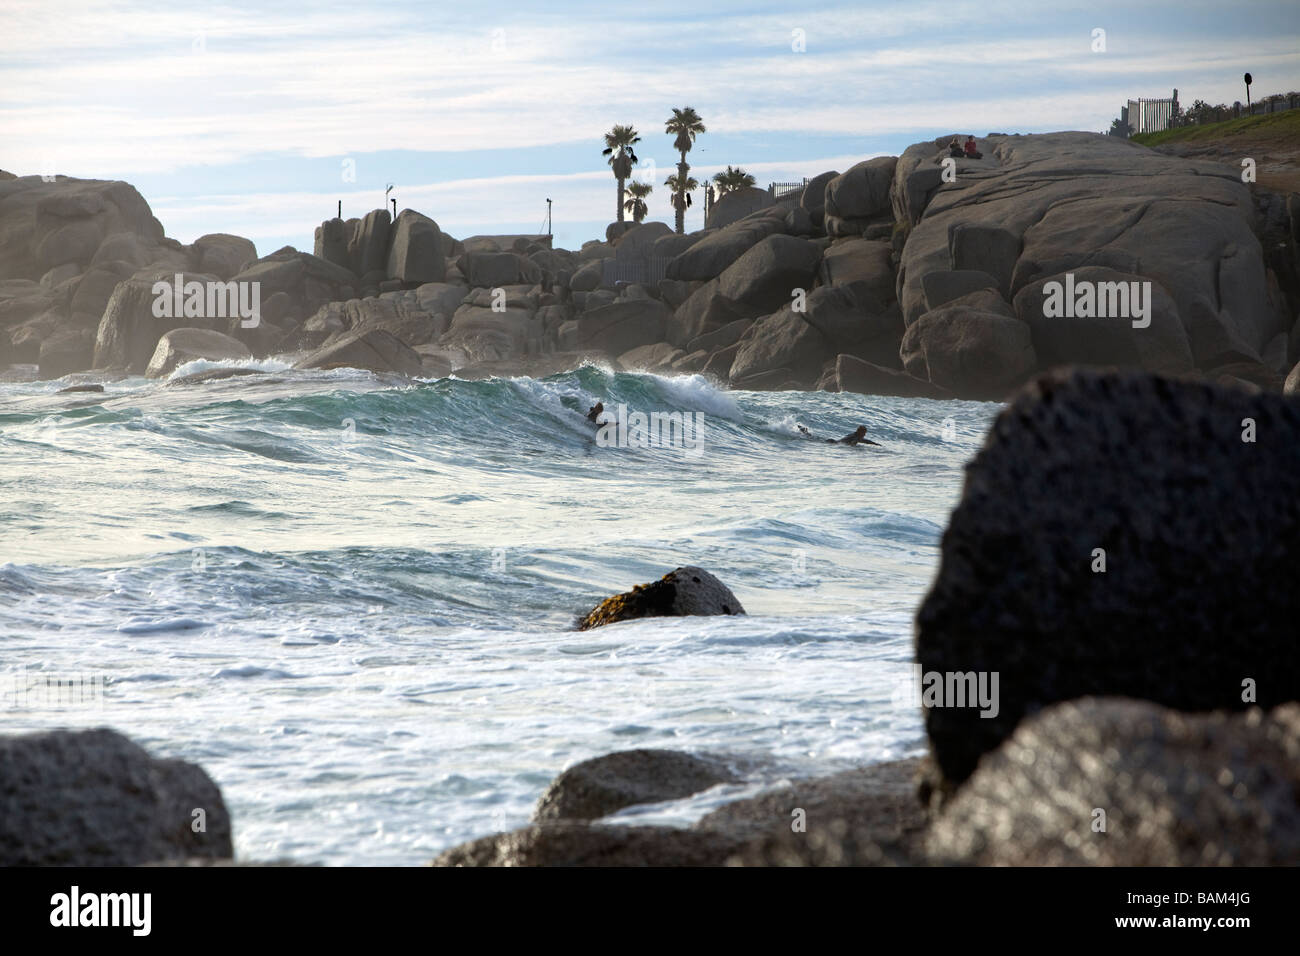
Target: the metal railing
pixel 647 271
pixel 781 190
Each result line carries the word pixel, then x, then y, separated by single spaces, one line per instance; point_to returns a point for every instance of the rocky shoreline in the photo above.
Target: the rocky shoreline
pixel 1120 560
pixel 915 275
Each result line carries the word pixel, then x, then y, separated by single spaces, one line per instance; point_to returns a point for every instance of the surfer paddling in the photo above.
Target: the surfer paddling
pixel 858 437
pixel 593 413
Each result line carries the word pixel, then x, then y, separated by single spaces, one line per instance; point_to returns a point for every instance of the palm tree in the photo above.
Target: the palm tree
pixel 731 179
pixel 684 124
pixel 618 147
pixel 636 205
pixel 681 187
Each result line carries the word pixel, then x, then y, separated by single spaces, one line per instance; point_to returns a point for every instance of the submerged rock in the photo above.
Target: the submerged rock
pixel 94 798
pixel 1115 782
pixel 685 591
pixel 600 786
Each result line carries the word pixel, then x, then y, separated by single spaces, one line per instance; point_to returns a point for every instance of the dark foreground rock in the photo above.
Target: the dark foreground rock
pixel 600 786
pixel 685 591
pixel 865 817
pixel 1122 535
pixel 1116 782
pixel 581 844
pixel 94 798
pixel 862 817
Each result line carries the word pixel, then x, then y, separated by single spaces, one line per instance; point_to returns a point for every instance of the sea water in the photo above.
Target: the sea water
pixel 351 600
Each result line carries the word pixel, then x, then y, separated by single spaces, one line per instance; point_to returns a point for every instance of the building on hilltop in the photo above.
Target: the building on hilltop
pixel 1149 116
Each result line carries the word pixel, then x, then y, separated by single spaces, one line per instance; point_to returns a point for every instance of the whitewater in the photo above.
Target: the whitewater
pixel 351 599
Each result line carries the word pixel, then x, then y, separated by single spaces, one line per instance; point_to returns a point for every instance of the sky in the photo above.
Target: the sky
pixel 259 118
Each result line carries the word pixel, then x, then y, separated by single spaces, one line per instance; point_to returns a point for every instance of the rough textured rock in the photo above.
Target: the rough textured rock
pixel 415 253
pixel 495 269
pixel 416 316
pixel 129 331
pixel 1176 790
pixel 183 345
pixel 331 242
pixel 223 255
pixel 941 287
pixel 1199 531
pixel 865 817
pixel 1159 347
pixel 638 242
pixel 980 247
pixel 1063 201
pixel 857 326
pixel 859 195
pixel 368 242
pixel 707 258
pixel 600 786
pixel 813 198
pixel 650 358
pixel 1292 384
pixel 862 265
pixel 66 351
pixel 783 342
pixel 374 349
pixel 852 374
pixel 48 224
pixel 706 310
pixel 581 844
pixel 486 335
pixel 738 204
pixel 94 798
pixel 768 274
pixel 861 818
pixel 623 325
pixel 588 277
pixel 970 352
pixel 721 337
pixel 685 591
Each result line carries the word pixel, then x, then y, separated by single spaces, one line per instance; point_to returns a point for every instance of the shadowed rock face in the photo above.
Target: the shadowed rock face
pixel 1175 790
pixel 864 817
pixel 602 785
pixel 580 844
pixel 1199 532
pixel 685 591
pixel 94 798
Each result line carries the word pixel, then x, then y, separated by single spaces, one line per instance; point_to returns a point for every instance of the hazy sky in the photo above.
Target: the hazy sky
pixel 247 118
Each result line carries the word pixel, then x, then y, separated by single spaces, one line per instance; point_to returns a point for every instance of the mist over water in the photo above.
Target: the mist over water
pixel 351 599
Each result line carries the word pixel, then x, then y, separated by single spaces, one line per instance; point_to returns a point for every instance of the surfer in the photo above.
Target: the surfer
pixel 858 437
pixel 593 413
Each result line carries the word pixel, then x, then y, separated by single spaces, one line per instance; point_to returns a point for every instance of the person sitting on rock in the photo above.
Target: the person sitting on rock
pixel 954 149
pixel 593 413
pixel 859 437
pixel 971 151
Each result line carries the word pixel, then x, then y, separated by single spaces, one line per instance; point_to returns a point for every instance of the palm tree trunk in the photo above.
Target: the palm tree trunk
pixel 620 199
pixel 682 170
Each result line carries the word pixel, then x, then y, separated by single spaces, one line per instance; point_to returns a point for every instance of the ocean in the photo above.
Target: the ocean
pixel 351 599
